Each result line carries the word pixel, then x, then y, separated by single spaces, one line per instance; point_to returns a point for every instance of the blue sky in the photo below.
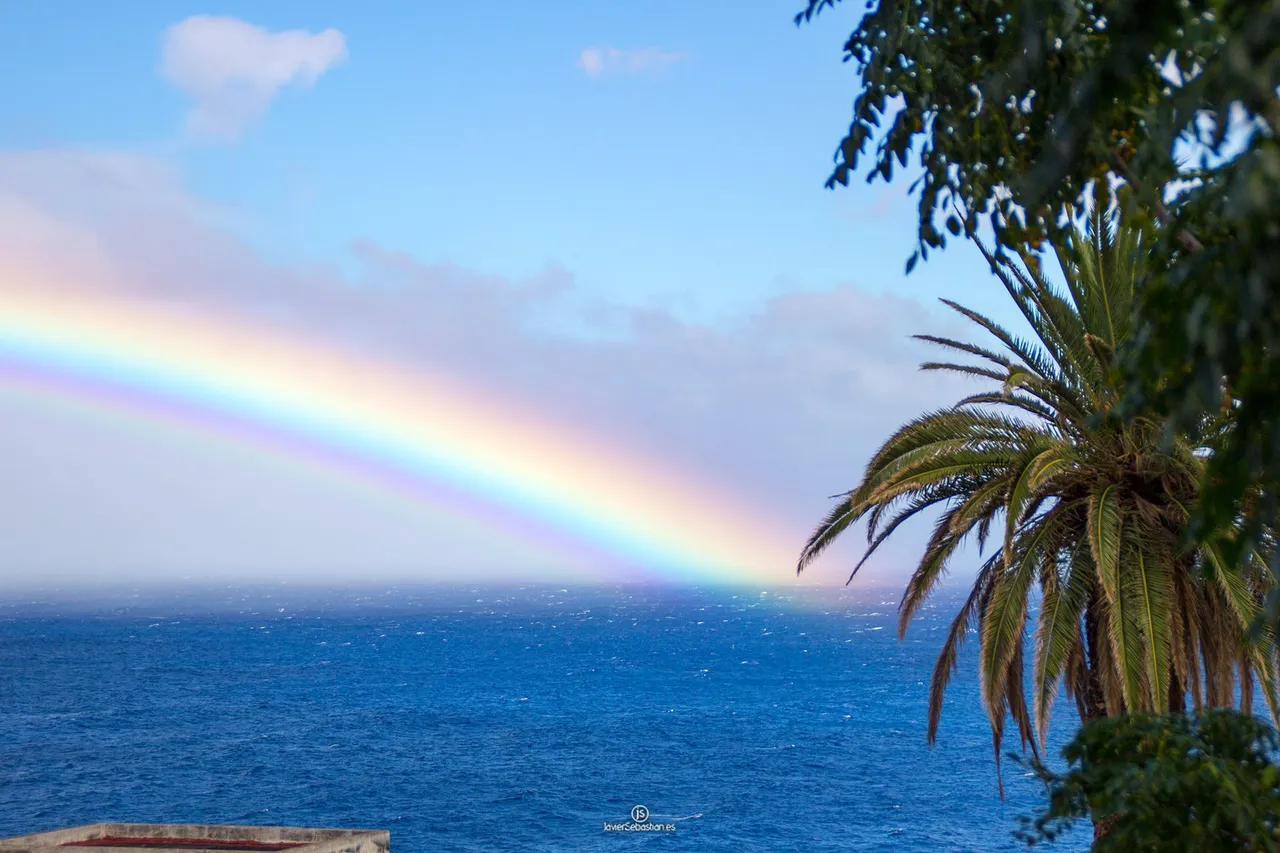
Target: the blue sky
pixel 678 187
pixel 469 133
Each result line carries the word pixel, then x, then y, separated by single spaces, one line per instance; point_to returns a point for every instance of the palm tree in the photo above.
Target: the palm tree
pixel 1090 511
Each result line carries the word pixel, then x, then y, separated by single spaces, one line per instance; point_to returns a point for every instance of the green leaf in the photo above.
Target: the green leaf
pixel 1058 630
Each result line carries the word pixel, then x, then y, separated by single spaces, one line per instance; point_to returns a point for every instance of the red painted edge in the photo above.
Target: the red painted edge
pixel 192 843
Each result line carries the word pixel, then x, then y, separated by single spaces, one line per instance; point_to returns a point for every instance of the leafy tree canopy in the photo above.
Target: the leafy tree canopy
pixel 1015 113
pixel 1167 783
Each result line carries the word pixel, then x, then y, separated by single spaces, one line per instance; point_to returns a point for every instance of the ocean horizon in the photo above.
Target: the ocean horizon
pixel 491 717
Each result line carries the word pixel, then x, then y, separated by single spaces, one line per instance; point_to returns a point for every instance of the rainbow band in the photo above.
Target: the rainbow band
pixel 403 429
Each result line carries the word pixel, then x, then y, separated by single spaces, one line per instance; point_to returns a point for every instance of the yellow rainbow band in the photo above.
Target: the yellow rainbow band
pixel 400 427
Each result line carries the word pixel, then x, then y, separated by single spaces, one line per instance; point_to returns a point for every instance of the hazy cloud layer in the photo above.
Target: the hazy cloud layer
pixel 782 406
pixel 231 70
pixel 602 61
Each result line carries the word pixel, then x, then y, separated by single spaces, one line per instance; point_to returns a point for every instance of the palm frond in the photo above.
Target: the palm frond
pixel 945 666
pixel 1058 630
pixel 1091 507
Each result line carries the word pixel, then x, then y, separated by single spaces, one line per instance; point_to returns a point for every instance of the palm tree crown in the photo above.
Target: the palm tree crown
pixel 1090 511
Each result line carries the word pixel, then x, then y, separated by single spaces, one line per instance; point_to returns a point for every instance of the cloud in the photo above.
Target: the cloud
pixel 601 61
pixel 231 69
pixel 782 407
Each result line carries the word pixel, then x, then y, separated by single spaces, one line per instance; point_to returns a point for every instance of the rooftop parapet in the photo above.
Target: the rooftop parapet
pixel 197 838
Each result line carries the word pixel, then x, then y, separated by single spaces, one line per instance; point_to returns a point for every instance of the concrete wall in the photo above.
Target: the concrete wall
pixel 314 840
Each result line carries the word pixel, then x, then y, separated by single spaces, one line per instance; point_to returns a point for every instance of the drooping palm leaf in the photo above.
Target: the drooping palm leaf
pixel 1091 511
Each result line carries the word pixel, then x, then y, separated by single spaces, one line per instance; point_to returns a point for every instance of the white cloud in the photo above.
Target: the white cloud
pixel 232 69
pixel 599 61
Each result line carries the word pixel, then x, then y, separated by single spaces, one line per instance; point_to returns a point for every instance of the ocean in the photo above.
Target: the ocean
pixel 505 718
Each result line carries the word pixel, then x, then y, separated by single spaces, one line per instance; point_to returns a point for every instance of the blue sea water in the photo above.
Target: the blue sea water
pixel 483 719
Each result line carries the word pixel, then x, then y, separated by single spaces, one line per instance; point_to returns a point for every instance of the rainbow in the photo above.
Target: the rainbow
pixel 378 421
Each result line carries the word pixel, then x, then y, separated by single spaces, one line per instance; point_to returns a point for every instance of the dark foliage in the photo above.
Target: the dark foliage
pixel 1016 112
pixel 1168 783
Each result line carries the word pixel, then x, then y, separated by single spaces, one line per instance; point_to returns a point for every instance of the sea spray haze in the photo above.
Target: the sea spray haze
pixel 479 719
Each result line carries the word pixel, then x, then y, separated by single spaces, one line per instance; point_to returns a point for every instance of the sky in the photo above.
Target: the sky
pixel 608 218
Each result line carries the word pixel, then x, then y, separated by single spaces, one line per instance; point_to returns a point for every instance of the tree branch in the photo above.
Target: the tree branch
pixel 1184 237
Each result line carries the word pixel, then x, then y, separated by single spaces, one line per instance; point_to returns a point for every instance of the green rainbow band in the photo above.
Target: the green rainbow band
pixel 408 431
